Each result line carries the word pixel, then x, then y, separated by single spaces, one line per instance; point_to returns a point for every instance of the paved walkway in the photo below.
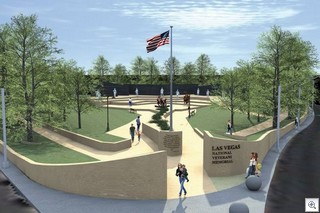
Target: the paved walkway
pixel 192 157
pixel 259 127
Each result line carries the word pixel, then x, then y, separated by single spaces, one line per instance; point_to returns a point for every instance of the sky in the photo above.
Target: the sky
pixel 225 30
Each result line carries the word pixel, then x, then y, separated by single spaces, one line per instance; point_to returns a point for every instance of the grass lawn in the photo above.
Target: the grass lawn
pixel 94 123
pixel 47 151
pixel 215 120
pixel 257 135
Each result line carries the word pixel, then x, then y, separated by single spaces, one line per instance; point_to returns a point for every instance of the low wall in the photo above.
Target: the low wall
pixel 96 144
pixel 170 141
pixel 228 157
pixel 139 177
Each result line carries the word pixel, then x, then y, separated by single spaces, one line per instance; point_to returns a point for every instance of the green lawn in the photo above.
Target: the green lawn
pixel 215 120
pixel 94 123
pixel 47 151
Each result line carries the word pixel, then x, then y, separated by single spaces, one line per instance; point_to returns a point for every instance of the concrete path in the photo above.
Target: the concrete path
pixel 259 127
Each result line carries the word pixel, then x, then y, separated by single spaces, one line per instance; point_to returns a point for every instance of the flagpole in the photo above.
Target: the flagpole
pixel 171 67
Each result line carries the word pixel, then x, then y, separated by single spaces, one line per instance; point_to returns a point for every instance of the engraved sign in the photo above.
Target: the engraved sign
pixel 223 154
pixel 172 142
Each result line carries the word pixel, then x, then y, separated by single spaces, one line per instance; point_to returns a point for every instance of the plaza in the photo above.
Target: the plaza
pixel 200 186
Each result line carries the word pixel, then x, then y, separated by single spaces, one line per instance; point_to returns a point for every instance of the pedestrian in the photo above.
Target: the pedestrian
pixel 138 123
pixel 255 163
pixel 296 122
pixel 130 102
pixel 139 135
pixel 229 128
pixel 250 169
pixel 132 132
pixel 180 172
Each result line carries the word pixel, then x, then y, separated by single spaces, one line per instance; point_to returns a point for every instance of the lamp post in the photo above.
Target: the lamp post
pixel 298 114
pixel 189 106
pixel 5 163
pixel 108 128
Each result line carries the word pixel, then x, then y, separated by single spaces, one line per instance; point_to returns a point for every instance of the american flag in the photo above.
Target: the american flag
pixel 157 41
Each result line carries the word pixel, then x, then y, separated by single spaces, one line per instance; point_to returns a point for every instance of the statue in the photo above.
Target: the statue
pixel 114 92
pixel 198 91
pixel 137 92
pixel 161 91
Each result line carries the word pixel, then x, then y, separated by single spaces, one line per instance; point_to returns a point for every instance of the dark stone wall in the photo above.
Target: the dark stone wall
pixel 149 89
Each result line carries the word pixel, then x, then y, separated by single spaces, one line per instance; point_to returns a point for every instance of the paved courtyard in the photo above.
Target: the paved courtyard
pixel 204 193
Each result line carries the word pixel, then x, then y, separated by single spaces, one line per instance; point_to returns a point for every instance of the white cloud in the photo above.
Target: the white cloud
pixel 207 15
pixel 300 28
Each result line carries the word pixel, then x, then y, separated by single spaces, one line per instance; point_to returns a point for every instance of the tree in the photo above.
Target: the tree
pixel 285 53
pixel 230 85
pixel 188 73
pixel 80 99
pixel 152 69
pixel 101 66
pixel 31 48
pixel 203 67
pixel 119 73
pixel 138 68
pixel 175 68
pixel 271 52
pixel 247 79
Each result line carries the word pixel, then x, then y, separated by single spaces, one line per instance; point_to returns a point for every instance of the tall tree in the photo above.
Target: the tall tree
pixel 152 69
pixel 101 66
pixel 188 73
pixel 203 67
pixel 176 67
pixel 119 72
pixel 248 79
pixel 31 48
pixel 80 85
pixel 271 52
pixel 138 68
pixel 230 85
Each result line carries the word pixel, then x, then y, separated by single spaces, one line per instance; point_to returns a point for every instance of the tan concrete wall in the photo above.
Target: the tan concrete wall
pixel 170 141
pixel 96 144
pixel 140 177
pixel 227 157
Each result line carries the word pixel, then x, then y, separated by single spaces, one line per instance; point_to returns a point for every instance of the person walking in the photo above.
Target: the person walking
pixel 180 172
pixel 229 128
pixel 132 132
pixel 130 102
pixel 138 123
pixel 139 135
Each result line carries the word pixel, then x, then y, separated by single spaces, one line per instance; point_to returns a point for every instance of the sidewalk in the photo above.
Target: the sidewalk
pixel 259 127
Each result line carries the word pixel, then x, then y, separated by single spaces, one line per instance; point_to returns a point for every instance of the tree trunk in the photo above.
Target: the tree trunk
pixel 79 119
pixel 29 126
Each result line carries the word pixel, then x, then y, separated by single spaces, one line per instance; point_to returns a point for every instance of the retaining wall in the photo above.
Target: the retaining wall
pixel 139 177
pixel 96 144
pixel 170 141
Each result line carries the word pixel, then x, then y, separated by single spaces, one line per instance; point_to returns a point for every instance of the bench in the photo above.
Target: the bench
pixel 131 110
pixel 193 112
